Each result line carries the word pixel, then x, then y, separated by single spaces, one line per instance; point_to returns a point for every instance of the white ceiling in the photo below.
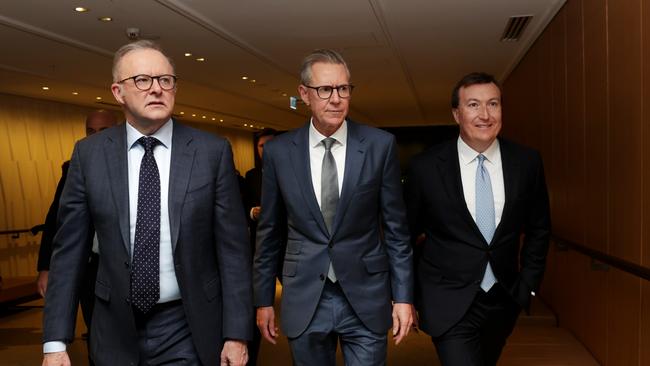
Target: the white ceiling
pixel 404 55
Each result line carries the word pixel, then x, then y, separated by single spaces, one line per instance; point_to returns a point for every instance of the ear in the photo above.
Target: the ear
pixel 116 89
pixel 455 113
pixel 304 94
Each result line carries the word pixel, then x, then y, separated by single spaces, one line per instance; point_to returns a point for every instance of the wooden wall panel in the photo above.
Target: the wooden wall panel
pixel 625 128
pixel 596 121
pixel 623 319
pixel 575 160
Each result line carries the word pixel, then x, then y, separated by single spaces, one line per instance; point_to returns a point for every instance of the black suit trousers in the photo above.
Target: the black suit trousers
pixel 478 338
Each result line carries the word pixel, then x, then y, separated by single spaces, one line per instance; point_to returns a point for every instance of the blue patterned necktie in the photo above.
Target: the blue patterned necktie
pixel 329 188
pixel 145 278
pixel 485 215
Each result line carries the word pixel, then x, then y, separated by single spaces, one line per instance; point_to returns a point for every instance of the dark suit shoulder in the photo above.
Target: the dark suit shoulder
pixel 369 132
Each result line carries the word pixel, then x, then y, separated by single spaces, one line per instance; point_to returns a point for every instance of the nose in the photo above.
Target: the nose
pixel 335 98
pixel 155 87
pixel 483 112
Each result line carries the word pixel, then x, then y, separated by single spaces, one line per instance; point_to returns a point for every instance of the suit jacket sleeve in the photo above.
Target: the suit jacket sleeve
pixel 233 251
pixel 50 226
pixel 70 251
pixel 536 234
pixel 271 235
pixel 395 229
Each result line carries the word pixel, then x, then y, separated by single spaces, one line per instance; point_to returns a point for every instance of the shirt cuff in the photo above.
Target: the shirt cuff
pixel 54 346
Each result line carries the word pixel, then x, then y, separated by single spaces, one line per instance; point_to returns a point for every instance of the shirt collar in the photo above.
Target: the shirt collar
pixel 315 137
pixel 468 155
pixel 163 134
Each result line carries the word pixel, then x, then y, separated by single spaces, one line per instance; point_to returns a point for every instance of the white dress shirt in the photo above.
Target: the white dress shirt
pixel 162 153
pixel 467 158
pixel 317 151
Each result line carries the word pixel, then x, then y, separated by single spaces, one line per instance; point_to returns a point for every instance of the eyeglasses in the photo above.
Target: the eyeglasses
pixel 325 91
pixel 144 82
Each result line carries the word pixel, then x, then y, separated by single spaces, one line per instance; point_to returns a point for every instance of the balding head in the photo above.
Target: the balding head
pixel 99 120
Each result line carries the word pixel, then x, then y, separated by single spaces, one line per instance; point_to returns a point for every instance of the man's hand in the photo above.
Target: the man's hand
pixel 255 212
pixel 41 282
pixel 56 358
pixel 266 323
pixel 234 353
pixel 403 316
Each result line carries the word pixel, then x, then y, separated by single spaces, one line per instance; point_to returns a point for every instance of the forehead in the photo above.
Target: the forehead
pixel 264 139
pixel 144 61
pixel 480 92
pixel 322 72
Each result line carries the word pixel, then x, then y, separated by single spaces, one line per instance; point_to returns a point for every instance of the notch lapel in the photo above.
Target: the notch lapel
pixel 115 151
pixel 182 159
pixel 354 158
pixel 449 171
pixel 299 155
pixel 510 167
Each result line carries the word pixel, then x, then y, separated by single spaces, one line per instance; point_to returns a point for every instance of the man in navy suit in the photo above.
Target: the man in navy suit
pixel 331 192
pixel 473 198
pixel 173 282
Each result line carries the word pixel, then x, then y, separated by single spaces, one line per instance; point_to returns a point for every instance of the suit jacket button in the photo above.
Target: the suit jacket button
pixel 322 277
pixel 126 264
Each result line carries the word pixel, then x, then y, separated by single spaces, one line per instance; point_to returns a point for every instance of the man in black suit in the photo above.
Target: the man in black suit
pixel 173 284
pixel 331 196
pixel 469 202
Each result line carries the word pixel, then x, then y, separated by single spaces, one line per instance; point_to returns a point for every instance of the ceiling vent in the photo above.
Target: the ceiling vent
pixel 515 28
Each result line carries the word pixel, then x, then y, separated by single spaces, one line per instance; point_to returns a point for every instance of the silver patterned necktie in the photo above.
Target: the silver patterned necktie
pixel 329 196
pixel 485 214
pixel 145 278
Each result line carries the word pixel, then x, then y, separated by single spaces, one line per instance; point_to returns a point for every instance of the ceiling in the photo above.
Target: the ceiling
pixel 404 55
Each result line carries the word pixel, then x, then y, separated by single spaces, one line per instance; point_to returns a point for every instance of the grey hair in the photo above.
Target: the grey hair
pixel 320 55
pixel 142 44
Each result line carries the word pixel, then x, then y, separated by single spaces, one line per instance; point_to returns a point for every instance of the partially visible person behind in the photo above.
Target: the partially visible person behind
pixel 96 121
pixel 173 284
pixel 252 199
pixel 473 198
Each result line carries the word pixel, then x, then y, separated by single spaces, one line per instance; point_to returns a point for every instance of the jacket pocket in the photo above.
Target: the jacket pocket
pixel 294 247
pixel 376 263
pixel 289 268
pixel 102 291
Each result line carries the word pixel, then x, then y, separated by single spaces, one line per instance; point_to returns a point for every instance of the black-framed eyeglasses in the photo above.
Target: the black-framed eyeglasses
pixel 325 91
pixel 144 82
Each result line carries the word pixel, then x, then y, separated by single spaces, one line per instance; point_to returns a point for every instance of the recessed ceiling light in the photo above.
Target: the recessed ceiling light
pixel 245 125
pixel 252 80
pixel 221 120
pixel 200 59
pixel 214 119
pixel 193 114
pixel 75 93
pixel 98 98
pixel 81 9
pixel 105 19
pixel 45 88
pixel 244 77
pixel 188 54
pixel 182 112
pixel 284 94
pixel 203 117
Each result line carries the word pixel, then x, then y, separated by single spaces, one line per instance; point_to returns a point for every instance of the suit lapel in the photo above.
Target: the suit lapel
pixel 179 176
pixel 510 167
pixel 449 171
pixel 115 151
pixel 300 161
pixel 354 157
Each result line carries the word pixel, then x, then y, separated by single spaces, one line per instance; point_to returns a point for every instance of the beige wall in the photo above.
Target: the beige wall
pixel 580 96
pixel 36 137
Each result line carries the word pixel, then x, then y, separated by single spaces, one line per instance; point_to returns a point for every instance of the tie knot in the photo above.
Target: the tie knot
pixel 481 158
pixel 148 143
pixel 328 142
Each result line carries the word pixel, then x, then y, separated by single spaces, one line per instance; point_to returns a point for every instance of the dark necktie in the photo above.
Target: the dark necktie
pixel 329 196
pixel 145 278
pixel 485 214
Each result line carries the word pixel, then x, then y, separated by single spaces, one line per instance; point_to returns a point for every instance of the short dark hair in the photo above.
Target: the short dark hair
pixel 265 132
pixel 472 79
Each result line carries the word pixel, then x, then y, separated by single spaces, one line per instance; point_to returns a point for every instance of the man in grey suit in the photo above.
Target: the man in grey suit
pixel 331 192
pixel 173 283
